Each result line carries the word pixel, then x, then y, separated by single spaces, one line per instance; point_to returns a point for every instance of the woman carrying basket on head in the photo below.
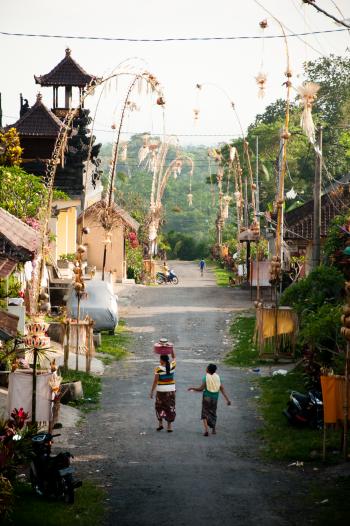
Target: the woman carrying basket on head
pixel 164 384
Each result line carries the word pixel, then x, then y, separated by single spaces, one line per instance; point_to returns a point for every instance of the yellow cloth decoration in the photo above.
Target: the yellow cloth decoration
pixel 333 394
pixel 213 382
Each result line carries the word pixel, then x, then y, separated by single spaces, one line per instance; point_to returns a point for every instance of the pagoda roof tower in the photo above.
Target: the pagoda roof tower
pixel 38 121
pixel 67 73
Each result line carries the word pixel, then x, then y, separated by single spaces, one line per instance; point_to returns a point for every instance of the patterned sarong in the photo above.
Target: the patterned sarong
pixel 165 406
pixel 209 406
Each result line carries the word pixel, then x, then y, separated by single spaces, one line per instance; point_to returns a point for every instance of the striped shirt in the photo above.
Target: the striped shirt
pixel 166 382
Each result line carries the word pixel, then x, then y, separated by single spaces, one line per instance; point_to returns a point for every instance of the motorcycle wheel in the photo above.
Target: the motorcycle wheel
pixel 36 487
pixel 159 279
pixel 68 489
pixel 175 280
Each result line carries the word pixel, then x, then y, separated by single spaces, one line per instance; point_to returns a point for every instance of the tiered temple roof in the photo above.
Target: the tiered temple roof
pixel 38 121
pixel 67 73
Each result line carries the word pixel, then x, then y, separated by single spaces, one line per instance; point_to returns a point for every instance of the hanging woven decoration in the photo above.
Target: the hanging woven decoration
pixel 189 199
pixel 261 79
pixel 226 199
pixel 177 168
pixel 308 93
pixel 233 153
pixel 124 151
pixel 152 234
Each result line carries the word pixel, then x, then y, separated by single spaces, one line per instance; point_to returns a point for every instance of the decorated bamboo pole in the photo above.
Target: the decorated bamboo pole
pixel 345 331
pixel 60 144
pixel 276 263
pixel 346 401
pixel 112 173
pixel 35 360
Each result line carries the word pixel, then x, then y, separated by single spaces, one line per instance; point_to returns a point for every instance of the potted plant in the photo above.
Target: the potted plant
pixel 66 260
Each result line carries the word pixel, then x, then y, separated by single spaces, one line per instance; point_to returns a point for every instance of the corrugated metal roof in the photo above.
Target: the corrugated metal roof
pixel 17 232
pixel 66 73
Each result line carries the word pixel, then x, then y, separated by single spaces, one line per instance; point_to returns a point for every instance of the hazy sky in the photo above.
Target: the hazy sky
pixel 232 65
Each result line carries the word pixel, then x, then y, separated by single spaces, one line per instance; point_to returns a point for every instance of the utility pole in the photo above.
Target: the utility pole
pixel 316 246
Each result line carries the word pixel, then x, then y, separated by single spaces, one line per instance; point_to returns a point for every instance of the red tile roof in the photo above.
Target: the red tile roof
pixel 38 121
pixel 17 232
pixel 66 73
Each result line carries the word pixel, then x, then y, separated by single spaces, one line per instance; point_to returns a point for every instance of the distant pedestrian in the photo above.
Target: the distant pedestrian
pixel 164 384
pixel 211 387
pixel 201 266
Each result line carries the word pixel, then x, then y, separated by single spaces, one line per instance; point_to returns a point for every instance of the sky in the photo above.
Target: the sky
pixel 225 69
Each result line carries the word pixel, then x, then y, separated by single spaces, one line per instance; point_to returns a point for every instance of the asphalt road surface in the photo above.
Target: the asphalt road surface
pixel 182 478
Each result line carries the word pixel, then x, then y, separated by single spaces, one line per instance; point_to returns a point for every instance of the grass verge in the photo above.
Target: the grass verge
pixel 244 352
pixel 222 276
pixel 91 389
pixel 282 441
pixel 115 346
pixel 30 510
pixel 332 501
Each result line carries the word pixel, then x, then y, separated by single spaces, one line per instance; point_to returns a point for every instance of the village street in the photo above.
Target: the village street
pixel 182 478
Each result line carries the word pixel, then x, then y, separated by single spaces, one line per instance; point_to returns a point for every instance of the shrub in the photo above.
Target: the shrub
pixel 7 498
pixel 322 285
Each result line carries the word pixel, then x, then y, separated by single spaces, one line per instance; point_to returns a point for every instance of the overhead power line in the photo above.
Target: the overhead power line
pixel 168 39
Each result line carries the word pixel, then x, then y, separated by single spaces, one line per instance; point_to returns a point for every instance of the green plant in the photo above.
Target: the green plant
pixel 22 194
pixel 322 285
pixel 9 288
pixel 91 388
pixel 134 261
pixel 116 345
pixel 68 257
pixel 7 497
pixel 29 510
pixel 281 440
pixel 244 352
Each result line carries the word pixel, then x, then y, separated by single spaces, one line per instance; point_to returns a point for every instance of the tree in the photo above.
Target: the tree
pixel 23 194
pixel 331 108
pixel 10 148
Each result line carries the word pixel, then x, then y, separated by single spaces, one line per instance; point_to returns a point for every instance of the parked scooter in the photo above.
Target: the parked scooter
pixel 305 410
pixel 52 476
pixel 171 278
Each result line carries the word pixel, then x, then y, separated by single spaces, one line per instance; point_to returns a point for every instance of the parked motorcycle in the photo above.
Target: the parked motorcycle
pixel 171 278
pixel 52 476
pixel 305 410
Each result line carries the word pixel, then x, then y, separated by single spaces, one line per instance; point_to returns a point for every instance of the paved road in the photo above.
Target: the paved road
pixel 181 478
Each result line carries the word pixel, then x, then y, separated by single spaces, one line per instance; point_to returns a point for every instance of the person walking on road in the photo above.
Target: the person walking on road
pixel 164 384
pixel 201 266
pixel 211 387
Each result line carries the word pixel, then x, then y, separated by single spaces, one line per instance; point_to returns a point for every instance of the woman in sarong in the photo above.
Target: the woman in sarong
pixel 164 384
pixel 211 387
